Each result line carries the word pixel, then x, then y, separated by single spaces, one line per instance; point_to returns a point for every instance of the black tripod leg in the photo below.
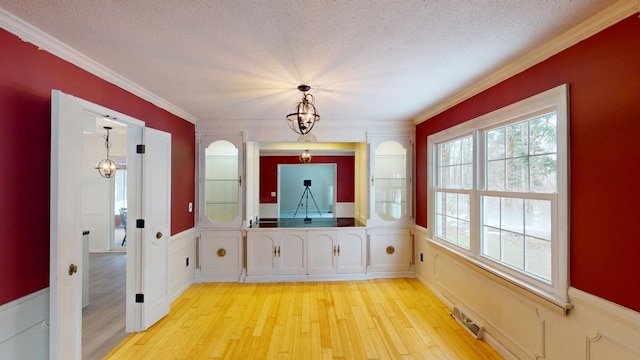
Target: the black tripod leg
pixel 300 202
pixel 314 201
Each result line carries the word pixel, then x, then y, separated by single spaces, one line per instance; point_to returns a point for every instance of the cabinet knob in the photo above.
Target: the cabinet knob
pixel 390 250
pixel 222 252
pixel 338 250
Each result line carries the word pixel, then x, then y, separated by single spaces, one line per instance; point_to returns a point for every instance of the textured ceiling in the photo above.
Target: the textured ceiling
pixel 243 60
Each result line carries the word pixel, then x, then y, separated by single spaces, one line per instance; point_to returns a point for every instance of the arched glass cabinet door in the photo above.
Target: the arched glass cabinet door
pixel 222 183
pixel 389 181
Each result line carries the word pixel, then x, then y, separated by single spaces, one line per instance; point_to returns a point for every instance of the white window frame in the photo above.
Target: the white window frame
pixel 553 100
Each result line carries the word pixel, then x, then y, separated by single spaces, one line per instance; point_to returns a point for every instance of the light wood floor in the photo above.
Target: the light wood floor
pixel 376 319
pixel 103 320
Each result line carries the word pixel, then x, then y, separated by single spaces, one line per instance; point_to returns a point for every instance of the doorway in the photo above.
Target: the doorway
pixel 103 202
pixel 148 250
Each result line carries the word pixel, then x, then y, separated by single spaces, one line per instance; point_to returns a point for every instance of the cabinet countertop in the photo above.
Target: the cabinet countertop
pixel 300 223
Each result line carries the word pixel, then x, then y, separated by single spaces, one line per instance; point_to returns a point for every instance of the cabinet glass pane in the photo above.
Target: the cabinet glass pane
pixel 221 182
pixel 390 180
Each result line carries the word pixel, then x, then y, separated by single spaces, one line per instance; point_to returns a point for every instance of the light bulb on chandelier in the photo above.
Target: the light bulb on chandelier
pixel 305 157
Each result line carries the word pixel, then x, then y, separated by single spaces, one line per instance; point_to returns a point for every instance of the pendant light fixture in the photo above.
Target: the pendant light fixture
pixel 305 116
pixel 305 157
pixel 106 167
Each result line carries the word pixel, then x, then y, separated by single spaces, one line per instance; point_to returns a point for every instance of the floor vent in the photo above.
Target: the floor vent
pixel 466 322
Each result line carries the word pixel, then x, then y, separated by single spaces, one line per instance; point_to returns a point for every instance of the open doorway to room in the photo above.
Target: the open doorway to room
pixel 104 199
pixel 120 206
pixel 104 205
pixel 149 184
pixel 306 190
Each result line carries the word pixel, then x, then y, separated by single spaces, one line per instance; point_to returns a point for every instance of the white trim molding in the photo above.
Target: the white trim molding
pixel 520 326
pixel 43 41
pixel 24 329
pixel 182 248
pixel 604 19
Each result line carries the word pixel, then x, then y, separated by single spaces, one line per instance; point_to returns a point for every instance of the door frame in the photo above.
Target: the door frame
pixel 134 273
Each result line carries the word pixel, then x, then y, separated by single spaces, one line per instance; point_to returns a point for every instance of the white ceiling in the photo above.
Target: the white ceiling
pixel 243 59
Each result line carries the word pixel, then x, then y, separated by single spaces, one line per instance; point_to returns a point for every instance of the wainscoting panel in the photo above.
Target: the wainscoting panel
pixel 24 332
pixel 521 326
pixel 601 346
pixel 182 248
pixel 492 305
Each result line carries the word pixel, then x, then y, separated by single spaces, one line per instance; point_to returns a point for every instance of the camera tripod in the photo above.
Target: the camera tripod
pixel 305 195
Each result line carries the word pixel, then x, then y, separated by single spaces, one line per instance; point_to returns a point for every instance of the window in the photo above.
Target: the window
pixel 454 185
pixel 499 193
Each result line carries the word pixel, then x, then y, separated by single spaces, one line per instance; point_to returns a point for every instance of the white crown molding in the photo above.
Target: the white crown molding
pixel 279 131
pixel 29 33
pixel 604 19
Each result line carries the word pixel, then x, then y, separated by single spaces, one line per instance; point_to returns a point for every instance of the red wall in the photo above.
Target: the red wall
pixel 603 73
pixel 27 76
pixel 345 189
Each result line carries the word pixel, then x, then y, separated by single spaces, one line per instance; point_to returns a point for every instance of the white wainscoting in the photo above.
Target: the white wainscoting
pixel 182 246
pixel 24 332
pixel 520 325
pixel 268 210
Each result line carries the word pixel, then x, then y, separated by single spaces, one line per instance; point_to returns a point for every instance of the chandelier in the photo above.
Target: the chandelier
pixel 106 167
pixel 305 116
pixel 305 157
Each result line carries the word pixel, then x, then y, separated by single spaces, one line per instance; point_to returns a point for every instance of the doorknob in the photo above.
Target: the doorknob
pixel 158 235
pixel 73 268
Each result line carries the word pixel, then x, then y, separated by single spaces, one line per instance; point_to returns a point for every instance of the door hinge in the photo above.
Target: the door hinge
pixel 139 298
pixel 140 149
pixel 139 223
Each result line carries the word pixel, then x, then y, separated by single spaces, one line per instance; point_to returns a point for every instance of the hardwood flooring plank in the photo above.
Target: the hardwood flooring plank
pixel 103 320
pixel 375 319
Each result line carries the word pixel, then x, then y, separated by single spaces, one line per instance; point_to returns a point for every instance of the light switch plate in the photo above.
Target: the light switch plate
pixel 273 194
pixel 190 207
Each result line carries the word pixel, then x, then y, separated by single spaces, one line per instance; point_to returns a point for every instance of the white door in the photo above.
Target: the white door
pixel 156 210
pixel 66 267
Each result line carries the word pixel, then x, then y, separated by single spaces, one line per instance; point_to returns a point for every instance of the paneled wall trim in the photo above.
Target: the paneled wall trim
pixel 182 262
pixel 521 327
pixel 24 332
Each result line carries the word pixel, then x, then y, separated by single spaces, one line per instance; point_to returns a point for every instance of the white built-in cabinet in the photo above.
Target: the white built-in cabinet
pixel 220 254
pixel 232 248
pixel 276 253
pixel 390 199
pixel 290 251
pixel 220 246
